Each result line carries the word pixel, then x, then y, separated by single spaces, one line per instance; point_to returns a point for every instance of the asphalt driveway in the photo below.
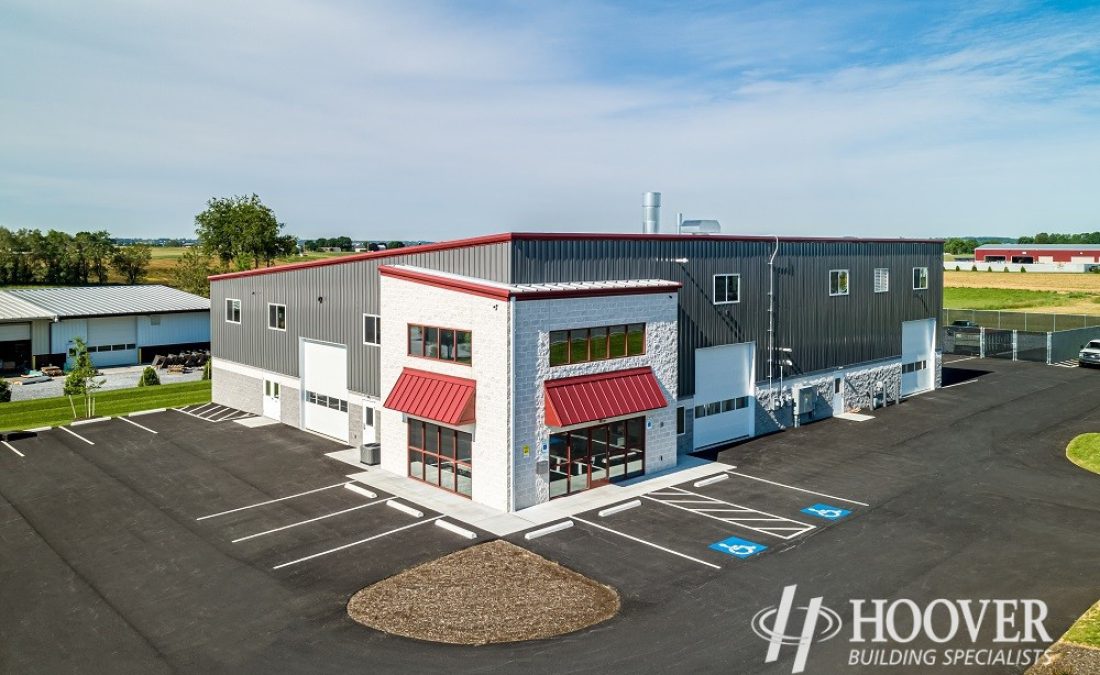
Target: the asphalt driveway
pixel 960 493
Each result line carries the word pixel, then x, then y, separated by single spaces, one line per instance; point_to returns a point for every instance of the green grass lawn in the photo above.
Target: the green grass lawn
pixel 1084 451
pixel 1086 631
pixel 55 411
pixel 1009 298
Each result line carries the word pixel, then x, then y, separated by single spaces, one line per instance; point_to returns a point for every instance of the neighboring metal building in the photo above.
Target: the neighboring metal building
pixel 763 333
pixel 1027 254
pixel 122 325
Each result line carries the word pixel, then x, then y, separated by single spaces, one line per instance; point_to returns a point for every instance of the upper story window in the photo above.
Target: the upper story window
pixel 882 279
pixel 727 289
pixel 372 329
pixel 232 310
pixel 838 282
pixel 920 278
pixel 276 316
pixel 581 345
pixel 445 344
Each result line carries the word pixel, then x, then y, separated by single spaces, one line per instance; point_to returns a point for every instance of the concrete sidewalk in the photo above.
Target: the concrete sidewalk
pixel 503 524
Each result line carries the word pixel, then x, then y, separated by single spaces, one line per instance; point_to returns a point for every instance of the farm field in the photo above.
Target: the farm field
pixel 1032 281
pixel 165 258
pixel 1049 293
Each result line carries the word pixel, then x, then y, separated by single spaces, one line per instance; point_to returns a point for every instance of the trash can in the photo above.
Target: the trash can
pixel 370 454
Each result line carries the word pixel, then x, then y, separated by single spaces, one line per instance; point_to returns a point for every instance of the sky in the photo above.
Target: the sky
pixel 433 120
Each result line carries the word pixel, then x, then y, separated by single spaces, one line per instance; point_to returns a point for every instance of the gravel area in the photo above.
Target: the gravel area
pixel 116 378
pixel 1066 658
pixel 492 592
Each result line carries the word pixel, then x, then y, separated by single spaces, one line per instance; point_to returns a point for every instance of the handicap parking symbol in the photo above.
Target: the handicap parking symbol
pixel 825 511
pixel 739 548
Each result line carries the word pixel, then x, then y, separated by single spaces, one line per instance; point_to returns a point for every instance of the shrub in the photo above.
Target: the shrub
pixel 206 371
pixel 973 268
pixel 957 268
pixel 5 391
pixel 149 377
pixel 1023 269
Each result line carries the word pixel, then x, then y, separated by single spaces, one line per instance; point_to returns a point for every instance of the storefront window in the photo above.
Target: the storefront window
pixel 585 458
pixel 441 456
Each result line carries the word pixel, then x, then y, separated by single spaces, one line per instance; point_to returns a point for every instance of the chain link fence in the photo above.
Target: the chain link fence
pixel 1018 336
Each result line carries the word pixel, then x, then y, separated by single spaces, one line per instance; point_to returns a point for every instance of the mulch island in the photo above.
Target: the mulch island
pixel 492 592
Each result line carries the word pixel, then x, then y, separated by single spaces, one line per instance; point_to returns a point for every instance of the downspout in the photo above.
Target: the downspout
pixel 771 318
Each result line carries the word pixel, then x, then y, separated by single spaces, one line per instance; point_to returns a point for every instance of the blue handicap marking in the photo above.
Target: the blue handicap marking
pixel 825 511
pixel 739 548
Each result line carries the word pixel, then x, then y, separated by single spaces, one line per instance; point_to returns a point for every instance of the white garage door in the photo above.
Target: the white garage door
pixel 918 356
pixel 10 332
pixel 325 389
pixel 725 406
pixel 113 341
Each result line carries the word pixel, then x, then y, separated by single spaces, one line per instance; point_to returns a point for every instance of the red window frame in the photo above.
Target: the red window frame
pixel 592 433
pixel 424 343
pixel 439 456
pixel 608 356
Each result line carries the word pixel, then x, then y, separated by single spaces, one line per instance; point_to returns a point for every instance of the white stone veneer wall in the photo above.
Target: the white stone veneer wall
pixel 859 387
pixel 533 322
pixel 404 302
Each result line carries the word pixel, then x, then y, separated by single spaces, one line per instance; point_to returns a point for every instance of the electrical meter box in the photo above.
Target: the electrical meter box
pixel 804 400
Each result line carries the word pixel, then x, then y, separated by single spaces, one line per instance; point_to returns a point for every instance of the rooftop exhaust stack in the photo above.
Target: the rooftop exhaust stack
pixel 651 212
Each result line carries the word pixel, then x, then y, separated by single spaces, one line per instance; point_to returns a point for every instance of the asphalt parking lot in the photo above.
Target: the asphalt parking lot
pixel 212 547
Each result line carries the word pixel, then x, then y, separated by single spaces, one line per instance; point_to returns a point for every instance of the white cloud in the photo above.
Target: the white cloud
pixel 424 120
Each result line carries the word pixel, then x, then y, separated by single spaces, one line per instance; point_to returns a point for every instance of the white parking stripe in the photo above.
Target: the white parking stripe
pixel 232 412
pixel 272 501
pixel 648 543
pixel 11 447
pixel 139 426
pixel 733 514
pixel 70 431
pixel 356 543
pixel 792 487
pixel 196 409
pixel 209 414
pixel 311 520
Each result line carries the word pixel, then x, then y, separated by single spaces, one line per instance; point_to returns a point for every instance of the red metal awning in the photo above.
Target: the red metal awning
pixel 431 396
pixel 587 398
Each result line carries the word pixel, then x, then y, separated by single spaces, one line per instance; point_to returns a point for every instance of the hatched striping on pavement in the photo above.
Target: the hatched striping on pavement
pixel 728 512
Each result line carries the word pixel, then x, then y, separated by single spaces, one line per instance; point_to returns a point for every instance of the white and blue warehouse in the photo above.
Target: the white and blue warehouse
pixel 122 325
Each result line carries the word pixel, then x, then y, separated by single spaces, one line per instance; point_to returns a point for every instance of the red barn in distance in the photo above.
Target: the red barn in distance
pixel 1037 253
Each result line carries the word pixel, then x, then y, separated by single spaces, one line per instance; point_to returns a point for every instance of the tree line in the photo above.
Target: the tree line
pixel 34 257
pixel 346 244
pixel 1046 238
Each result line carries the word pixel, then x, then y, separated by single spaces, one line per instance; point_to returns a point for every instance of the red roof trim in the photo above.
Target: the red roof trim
pixel 472 287
pixel 589 398
pixel 440 398
pixel 461 285
pixel 552 236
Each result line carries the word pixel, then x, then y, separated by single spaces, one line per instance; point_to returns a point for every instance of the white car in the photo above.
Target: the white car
pixel 1090 355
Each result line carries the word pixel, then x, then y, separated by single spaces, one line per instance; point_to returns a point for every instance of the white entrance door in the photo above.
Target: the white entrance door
pixel 918 356
pixel 325 389
pixel 371 418
pixel 725 405
pixel 838 395
pixel 272 406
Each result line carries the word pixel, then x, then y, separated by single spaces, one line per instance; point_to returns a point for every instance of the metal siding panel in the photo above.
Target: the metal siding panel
pixel 824 332
pixel 349 291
